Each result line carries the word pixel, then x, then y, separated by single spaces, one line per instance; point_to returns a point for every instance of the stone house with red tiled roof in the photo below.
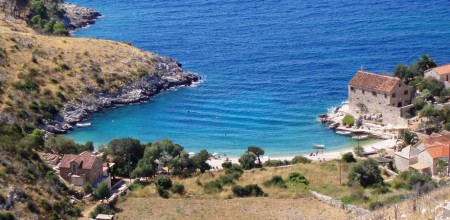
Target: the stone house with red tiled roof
pixel 383 94
pixel 441 73
pixel 82 168
pixel 436 148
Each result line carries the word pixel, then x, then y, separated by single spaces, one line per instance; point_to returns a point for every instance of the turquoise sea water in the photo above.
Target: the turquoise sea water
pixel 269 67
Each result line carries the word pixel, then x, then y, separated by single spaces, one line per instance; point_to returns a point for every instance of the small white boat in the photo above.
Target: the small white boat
pixel 344 132
pixel 360 137
pixel 84 124
pixel 319 146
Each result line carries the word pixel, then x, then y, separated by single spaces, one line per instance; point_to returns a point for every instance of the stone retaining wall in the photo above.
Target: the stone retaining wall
pixel 339 204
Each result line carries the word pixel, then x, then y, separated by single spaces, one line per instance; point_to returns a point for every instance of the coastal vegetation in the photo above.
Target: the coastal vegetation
pixel 25 177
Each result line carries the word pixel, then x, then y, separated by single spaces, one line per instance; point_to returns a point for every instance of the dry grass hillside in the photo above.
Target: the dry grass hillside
pixel 39 73
pixel 293 202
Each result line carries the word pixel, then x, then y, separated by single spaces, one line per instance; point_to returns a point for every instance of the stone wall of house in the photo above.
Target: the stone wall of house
pixel 95 173
pixel 401 163
pixel 433 74
pixel 91 175
pixel 374 103
pixel 425 158
pixel 64 173
pixel 384 103
pixel 394 115
pixel 403 95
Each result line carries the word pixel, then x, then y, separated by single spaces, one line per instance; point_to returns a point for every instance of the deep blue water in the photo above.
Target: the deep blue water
pixel 269 67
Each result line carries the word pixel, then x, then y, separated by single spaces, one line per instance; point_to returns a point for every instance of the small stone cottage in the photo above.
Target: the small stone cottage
pixel 440 73
pixel 82 168
pixel 380 94
pixel 425 156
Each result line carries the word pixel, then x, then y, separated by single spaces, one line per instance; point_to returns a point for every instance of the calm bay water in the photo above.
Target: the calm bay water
pixel 269 67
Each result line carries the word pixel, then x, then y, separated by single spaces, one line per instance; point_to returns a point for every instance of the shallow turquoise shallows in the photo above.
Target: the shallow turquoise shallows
pixel 269 67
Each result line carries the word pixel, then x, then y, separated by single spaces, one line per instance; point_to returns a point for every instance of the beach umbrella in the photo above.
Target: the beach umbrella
pixel 215 154
pixel 191 153
pixel 265 157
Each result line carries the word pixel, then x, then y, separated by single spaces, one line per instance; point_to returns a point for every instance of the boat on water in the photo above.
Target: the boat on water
pixel 319 146
pixel 361 137
pixel 84 124
pixel 344 132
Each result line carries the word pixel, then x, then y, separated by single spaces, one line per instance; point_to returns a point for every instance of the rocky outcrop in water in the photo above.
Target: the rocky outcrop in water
pixel 77 17
pixel 171 75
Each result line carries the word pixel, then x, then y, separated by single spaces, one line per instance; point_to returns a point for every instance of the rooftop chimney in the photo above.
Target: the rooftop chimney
pixel 362 68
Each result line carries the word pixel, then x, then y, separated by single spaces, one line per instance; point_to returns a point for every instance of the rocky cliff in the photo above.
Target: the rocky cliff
pixel 76 16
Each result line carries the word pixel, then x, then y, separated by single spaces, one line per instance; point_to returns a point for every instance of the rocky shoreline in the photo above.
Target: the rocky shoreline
pixel 76 16
pixel 171 75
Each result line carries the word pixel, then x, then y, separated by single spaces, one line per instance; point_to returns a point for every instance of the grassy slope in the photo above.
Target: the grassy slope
pixel 291 203
pixel 70 66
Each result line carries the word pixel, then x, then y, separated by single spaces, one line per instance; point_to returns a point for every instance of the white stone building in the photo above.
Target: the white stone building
pixel 440 73
pixel 383 94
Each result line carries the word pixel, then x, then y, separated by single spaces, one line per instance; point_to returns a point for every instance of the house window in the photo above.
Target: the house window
pixel 385 96
pixel 352 89
pixel 446 78
pixel 393 95
pixel 74 167
pixel 399 85
pixel 406 92
pixel 363 91
pixel 374 93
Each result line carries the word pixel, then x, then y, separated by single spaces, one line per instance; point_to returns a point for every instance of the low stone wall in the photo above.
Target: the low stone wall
pixel 339 204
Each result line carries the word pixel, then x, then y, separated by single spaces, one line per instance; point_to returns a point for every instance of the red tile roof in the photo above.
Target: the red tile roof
pixel 439 151
pixel 84 160
pixel 438 144
pixel 374 81
pixel 442 70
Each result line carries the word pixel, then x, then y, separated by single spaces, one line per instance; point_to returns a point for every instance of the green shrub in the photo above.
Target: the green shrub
pixel 365 172
pixel 6 216
pixel 213 187
pixel 102 209
pixel 227 165
pixel 102 191
pixel 300 159
pixel 275 163
pixel 380 189
pixel 298 178
pixel 227 179
pixel 275 181
pixel 347 200
pixel 164 181
pixel 348 157
pixel 248 190
pixel 26 85
pixel 348 120
pixel 136 185
pixel 87 188
pixel 46 205
pixel 178 189
pixel 162 192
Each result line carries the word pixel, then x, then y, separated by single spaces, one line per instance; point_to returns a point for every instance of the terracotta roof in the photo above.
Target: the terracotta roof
pixel 439 151
pixel 84 161
pixel 374 81
pixel 442 70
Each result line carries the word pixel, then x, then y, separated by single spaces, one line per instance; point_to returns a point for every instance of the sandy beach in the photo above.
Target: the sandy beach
pixel 326 155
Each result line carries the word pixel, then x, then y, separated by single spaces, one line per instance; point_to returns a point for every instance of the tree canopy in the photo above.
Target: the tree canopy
pixel 365 173
pixel 125 153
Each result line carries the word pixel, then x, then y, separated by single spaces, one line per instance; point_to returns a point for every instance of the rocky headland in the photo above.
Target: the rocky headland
pixel 172 75
pixel 76 16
